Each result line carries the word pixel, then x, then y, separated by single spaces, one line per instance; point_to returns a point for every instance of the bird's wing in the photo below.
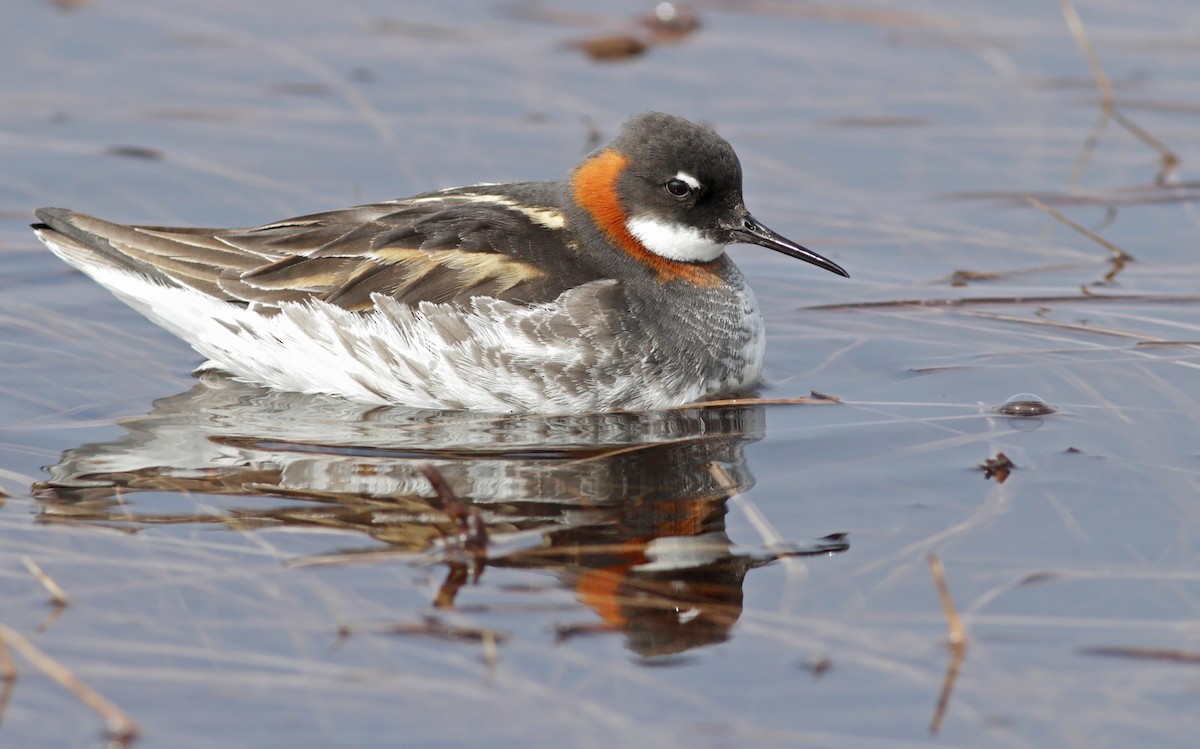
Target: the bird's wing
pixel 441 247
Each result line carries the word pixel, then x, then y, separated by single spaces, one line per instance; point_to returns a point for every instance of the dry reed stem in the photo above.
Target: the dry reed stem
pixel 55 613
pixel 1170 160
pixel 1042 322
pixel 957 635
pixel 1075 24
pixel 939 713
pixel 766 531
pixel 122 727
pixel 8 678
pixel 491 653
pixel 1188 657
pixel 1108 104
pixel 1089 148
pixel 978 300
pixel 56 592
pixel 8 669
pixel 958 641
pixel 1119 255
pixel 805 400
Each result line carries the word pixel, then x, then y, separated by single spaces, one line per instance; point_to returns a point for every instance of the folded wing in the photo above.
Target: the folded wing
pixel 436 248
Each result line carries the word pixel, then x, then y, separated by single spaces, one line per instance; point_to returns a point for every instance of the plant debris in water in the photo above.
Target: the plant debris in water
pixel 669 23
pixel 997 467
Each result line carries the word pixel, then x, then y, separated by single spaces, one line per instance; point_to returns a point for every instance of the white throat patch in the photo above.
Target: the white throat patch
pixel 674 241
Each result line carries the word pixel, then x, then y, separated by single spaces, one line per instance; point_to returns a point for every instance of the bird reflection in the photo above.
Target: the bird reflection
pixel 627 509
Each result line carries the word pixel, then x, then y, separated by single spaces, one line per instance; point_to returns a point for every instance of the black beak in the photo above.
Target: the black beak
pixel 752 232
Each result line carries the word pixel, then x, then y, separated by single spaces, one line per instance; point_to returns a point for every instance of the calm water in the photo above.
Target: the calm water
pixel 250 568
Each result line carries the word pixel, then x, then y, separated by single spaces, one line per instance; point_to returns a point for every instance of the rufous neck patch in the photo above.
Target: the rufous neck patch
pixel 594 186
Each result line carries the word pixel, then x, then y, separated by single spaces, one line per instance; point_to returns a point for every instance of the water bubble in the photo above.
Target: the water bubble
pixel 1025 404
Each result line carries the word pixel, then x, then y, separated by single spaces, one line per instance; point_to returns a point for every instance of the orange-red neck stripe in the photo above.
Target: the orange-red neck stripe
pixel 594 185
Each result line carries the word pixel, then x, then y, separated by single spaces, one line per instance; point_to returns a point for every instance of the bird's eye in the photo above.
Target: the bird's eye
pixel 678 188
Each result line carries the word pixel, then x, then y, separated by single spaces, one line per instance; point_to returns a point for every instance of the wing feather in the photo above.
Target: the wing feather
pixel 444 247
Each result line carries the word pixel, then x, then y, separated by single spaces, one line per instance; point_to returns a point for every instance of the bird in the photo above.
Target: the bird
pixel 608 290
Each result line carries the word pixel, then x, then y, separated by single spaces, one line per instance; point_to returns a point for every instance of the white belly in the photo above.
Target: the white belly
pixel 565 357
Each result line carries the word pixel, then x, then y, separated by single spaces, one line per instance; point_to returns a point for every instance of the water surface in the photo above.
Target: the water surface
pixel 263 569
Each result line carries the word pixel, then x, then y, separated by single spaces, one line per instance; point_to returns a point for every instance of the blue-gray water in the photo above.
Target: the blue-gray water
pixel 234 556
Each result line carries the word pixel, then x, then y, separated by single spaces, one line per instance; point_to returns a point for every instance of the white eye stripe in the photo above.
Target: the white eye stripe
pixel 688 179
